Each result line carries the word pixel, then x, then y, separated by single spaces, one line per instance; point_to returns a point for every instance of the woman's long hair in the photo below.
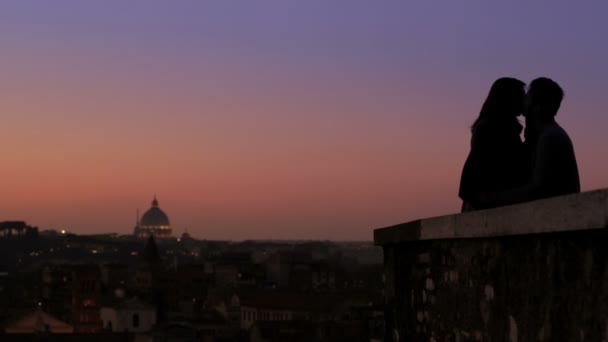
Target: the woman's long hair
pixel 505 94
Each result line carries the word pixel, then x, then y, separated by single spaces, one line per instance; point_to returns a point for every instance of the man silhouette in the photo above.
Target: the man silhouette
pixel 553 170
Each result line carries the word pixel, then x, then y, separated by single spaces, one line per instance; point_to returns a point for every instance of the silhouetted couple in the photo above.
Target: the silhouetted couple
pixel 500 168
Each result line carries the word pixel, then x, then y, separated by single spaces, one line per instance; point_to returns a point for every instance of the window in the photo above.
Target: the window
pixel 135 320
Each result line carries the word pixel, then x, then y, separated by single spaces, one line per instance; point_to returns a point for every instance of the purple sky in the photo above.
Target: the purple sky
pixel 275 119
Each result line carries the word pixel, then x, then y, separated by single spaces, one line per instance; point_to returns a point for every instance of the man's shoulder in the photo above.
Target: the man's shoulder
pixel 554 133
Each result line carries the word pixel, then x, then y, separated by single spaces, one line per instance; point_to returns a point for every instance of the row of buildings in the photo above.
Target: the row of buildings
pixel 124 287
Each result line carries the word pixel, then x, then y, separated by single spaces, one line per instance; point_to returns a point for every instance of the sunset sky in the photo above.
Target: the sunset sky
pixel 309 119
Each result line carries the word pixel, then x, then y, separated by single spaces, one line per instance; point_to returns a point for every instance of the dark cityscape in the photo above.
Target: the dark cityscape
pixel 152 285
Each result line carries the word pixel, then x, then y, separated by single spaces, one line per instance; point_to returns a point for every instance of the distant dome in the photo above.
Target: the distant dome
pixel 154 216
pixel 154 222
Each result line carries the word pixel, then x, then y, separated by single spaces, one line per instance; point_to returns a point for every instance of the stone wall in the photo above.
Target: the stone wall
pixel 531 272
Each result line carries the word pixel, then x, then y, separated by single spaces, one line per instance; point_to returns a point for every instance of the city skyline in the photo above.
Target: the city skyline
pixel 275 121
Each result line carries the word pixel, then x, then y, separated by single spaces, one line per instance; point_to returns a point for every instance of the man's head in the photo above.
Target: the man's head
pixel 543 99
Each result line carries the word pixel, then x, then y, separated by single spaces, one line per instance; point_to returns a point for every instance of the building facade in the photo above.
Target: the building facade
pixel 133 315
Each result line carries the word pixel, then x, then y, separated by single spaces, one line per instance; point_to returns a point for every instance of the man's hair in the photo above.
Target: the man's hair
pixel 548 94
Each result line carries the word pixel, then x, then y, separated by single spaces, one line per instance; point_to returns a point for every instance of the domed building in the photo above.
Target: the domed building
pixel 153 222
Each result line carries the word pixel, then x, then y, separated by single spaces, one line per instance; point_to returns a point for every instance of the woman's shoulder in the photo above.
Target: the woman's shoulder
pixel 494 128
pixel 483 129
pixel 490 134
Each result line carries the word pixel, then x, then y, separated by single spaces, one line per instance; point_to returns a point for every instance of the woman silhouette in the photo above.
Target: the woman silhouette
pixel 496 160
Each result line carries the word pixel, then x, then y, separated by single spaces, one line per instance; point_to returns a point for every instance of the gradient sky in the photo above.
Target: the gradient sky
pixel 276 119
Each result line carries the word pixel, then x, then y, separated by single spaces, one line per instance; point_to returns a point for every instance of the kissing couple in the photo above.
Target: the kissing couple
pixel 501 169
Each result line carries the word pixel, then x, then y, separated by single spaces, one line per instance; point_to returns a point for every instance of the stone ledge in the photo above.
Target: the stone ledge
pixel 582 211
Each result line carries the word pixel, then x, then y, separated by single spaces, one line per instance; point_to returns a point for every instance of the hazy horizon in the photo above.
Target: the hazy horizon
pixel 288 120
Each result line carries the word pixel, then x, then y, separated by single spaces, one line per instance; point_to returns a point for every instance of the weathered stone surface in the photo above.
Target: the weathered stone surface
pixel 588 210
pixel 508 283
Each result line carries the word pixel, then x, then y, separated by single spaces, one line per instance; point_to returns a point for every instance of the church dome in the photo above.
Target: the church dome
pixel 154 222
pixel 154 216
